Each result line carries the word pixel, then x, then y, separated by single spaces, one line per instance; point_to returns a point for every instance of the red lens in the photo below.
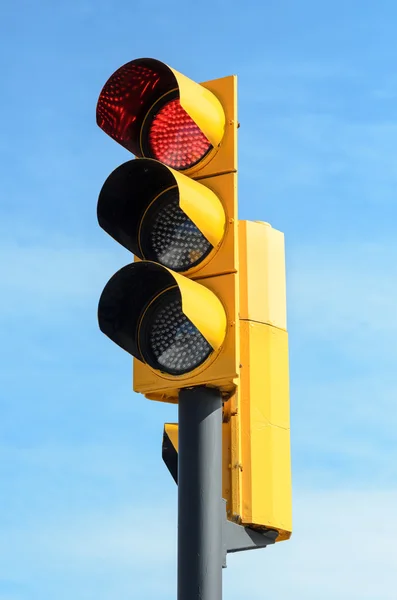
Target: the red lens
pixel 174 138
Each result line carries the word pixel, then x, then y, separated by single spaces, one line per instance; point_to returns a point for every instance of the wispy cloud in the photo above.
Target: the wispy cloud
pixel 342 547
pixel 343 539
pixel 108 553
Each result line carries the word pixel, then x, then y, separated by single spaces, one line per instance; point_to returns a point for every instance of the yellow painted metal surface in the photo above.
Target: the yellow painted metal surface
pixel 204 309
pixel 224 160
pixel 225 260
pixel 263 497
pixel 235 498
pixel 262 274
pixel 264 421
pixel 227 485
pixel 171 430
pixel 203 107
pixel 202 206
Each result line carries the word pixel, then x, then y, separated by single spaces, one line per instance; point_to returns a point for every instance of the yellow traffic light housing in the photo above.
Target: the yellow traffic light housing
pixel 259 416
pixel 204 302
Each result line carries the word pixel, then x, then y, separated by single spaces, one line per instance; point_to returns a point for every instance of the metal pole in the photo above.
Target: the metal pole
pixel 199 494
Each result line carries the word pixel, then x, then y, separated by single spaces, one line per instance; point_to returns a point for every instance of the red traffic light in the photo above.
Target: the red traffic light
pixel 156 112
pixel 174 138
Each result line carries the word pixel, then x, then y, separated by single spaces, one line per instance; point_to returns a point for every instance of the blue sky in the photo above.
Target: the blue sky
pixel 87 509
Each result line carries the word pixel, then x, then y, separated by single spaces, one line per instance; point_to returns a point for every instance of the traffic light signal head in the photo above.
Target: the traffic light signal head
pixel 156 112
pixel 162 215
pixel 175 208
pixel 152 313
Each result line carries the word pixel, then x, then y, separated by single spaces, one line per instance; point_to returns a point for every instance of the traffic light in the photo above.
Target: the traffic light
pixel 204 301
pixel 175 208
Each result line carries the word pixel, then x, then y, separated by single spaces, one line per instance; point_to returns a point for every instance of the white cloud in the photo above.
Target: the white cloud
pixel 118 552
pixel 341 549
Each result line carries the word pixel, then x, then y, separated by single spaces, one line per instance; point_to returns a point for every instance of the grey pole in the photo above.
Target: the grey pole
pixel 200 552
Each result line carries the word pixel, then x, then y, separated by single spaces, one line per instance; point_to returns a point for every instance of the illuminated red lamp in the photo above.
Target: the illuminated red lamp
pixel 174 138
pixel 140 108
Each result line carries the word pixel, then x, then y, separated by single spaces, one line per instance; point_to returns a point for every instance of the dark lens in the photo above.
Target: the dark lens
pixel 169 237
pixel 168 339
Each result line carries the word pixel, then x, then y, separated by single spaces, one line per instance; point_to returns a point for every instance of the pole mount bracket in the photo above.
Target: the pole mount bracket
pixel 237 538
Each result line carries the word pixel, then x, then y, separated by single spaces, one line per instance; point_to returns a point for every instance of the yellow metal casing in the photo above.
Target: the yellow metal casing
pixel 265 429
pixel 263 394
pixel 171 429
pixel 220 369
pixel 225 158
pixel 203 107
pixel 262 274
pixel 219 272
pixel 170 448
pixel 202 206
pixel 203 309
pixel 225 259
pixel 258 413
